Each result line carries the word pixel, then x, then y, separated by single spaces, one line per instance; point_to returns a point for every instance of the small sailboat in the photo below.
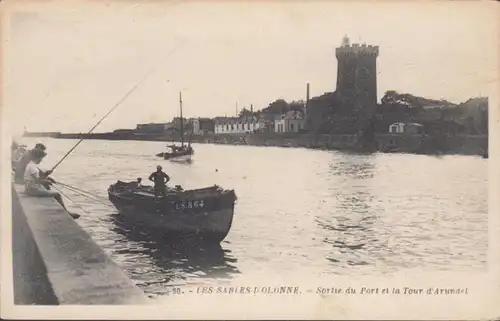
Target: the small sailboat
pixel 183 152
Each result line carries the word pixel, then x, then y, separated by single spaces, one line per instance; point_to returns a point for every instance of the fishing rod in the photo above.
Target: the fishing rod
pixel 115 106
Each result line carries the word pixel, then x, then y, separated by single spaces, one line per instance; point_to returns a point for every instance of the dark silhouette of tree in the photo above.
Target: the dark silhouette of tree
pixel 279 106
pixel 246 113
pixel 296 105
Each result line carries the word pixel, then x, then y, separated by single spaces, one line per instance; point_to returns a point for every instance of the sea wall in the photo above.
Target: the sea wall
pixel 424 144
pixel 55 261
pixel 407 143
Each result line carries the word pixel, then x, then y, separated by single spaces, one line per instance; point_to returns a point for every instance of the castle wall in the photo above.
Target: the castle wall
pixel 366 83
pixel 357 75
pixel 346 75
pixel 356 87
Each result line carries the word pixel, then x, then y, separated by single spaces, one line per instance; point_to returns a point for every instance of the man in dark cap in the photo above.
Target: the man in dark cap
pixel 27 157
pixel 36 183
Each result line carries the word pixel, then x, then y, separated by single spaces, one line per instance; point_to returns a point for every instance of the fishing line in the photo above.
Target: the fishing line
pixel 72 201
pixel 80 190
pixel 116 105
pixel 85 194
pixel 78 205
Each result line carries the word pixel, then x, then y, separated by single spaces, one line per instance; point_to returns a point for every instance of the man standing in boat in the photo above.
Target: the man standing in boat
pixel 160 180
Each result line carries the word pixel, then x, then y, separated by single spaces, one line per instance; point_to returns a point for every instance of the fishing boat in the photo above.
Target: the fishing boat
pixel 183 152
pixel 179 153
pixel 205 213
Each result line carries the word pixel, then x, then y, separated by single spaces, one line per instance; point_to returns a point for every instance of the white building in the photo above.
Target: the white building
pixel 153 127
pixel 405 128
pixel 291 122
pixel 234 125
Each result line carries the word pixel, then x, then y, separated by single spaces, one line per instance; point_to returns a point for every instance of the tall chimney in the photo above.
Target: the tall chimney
pixel 307 93
pixel 251 108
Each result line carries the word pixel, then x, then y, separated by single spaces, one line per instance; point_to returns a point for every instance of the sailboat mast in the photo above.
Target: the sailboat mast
pixel 182 121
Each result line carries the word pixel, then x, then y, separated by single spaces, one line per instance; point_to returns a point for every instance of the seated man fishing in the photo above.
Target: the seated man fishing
pixel 25 160
pixel 36 183
pixel 160 180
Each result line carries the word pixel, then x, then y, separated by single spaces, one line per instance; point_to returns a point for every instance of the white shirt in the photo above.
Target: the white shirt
pixel 31 173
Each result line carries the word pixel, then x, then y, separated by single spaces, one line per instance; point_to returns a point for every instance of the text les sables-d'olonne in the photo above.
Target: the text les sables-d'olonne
pixel 295 290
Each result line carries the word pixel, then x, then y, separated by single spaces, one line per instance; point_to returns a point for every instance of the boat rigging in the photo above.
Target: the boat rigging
pixel 183 152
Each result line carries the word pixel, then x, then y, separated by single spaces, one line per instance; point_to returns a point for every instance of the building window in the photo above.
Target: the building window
pixel 291 127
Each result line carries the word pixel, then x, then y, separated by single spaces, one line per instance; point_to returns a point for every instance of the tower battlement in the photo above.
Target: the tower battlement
pixel 357 49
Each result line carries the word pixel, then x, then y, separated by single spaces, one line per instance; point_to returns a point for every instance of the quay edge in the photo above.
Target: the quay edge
pixel 55 262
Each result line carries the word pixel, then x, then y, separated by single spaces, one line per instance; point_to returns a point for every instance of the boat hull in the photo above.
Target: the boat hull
pixel 182 158
pixel 212 227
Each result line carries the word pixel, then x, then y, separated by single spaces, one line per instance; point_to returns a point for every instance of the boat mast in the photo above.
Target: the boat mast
pixel 182 121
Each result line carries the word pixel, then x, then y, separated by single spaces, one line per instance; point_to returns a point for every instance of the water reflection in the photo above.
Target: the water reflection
pixel 353 166
pixel 178 261
pixel 348 225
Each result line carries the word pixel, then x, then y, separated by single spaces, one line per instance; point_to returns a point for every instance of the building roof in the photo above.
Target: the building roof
pixel 154 124
pixel 407 123
pixel 236 120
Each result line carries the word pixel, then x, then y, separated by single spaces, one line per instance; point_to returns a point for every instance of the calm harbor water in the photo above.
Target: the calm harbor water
pixel 299 211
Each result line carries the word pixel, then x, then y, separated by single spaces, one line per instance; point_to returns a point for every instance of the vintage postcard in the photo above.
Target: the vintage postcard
pixel 250 160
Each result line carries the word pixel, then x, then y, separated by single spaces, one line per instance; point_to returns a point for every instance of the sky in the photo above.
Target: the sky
pixel 67 63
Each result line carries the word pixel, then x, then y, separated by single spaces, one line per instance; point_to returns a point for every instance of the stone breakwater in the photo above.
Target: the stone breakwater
pixel 55 262
pixel 393 143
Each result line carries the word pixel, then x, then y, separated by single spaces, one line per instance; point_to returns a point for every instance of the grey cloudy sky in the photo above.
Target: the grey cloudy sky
pixel 66 64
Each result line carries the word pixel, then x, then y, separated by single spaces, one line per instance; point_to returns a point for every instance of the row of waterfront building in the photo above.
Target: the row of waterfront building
pixel 292 121
pixel 248 125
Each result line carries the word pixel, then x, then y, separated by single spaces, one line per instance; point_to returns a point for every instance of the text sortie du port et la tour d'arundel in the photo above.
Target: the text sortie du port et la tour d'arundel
pixel 322 291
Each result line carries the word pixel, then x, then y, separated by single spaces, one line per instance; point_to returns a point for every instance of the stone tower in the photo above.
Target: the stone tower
pixel 357 75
